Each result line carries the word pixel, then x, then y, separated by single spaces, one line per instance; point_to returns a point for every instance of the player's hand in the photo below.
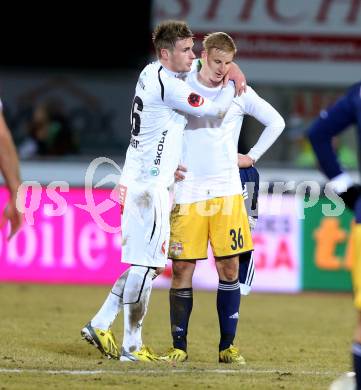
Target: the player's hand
pixel 351 195
pixel 178 174
pixel 244 161
pixel 12 214
pixel 235 74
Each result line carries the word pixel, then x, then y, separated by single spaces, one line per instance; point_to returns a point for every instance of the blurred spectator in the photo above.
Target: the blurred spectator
pixel 330 123
pixel 49 133
pixel 297 134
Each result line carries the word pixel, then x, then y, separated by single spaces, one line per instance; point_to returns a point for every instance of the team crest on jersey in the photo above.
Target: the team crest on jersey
pixel 154 171
pixel 122 195
pixel 175 249
pixel 195 100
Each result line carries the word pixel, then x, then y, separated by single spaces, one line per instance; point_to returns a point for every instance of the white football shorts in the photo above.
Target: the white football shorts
pixel 145 225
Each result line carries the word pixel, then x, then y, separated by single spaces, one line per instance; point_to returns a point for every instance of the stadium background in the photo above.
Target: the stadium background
pixel 300 58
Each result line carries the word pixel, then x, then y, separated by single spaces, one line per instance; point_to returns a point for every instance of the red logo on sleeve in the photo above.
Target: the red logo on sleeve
pixel 195 100
pixel 122 195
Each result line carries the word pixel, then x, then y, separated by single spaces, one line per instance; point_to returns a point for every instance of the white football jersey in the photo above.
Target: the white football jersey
pixel 157 122
pixel 210 146
pixel 1 105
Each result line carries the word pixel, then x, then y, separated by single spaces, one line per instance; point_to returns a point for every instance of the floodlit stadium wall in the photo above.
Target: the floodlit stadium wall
pixel 72 235
pixel 310 42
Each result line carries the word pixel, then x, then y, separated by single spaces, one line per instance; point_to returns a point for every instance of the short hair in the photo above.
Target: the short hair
pixel 220 41
pixel 167 33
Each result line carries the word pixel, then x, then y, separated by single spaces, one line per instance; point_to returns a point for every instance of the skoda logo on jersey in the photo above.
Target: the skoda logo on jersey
pixel 160 148
pixel 154 171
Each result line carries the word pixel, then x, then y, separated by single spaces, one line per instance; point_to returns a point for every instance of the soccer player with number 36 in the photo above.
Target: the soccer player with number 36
pixel 158 119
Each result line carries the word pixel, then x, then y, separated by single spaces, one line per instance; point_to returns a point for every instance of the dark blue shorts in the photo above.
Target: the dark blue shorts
pixel 250 182
pixel 358 210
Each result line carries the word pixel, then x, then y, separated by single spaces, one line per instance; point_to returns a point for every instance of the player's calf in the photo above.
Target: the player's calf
pixel 136 296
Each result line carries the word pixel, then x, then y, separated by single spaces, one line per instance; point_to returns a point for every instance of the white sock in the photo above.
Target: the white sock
pixel 112 305
pixel 136 297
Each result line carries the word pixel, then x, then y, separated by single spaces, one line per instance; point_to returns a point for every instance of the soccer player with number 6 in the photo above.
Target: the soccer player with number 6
pixel 158 119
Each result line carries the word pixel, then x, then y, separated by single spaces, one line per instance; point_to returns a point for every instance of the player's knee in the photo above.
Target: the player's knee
pixel 228 270
pixel 230 275
pixel 138 284
pixel 159 270
pixel 140 273
pixel 182 270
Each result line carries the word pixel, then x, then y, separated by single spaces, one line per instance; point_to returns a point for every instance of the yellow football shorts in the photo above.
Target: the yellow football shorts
pixel 356 264
pixel 223 221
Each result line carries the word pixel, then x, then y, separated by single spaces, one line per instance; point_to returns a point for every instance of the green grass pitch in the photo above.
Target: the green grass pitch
pixel 289 341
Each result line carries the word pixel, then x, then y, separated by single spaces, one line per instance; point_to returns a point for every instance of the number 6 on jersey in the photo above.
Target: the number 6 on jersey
pixel 137 107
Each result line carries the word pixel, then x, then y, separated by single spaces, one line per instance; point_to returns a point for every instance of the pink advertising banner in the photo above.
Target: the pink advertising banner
pixel 72 235
pixel 277 252
pixel 66 238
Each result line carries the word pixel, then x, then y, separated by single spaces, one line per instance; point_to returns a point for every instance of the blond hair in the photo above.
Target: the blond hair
pixel 167 33
pixel 220 41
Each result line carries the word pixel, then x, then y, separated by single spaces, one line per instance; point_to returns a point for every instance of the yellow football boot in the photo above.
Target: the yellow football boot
pixel 231 355
pixel 102 339
pixel 175 355
pixel 145 354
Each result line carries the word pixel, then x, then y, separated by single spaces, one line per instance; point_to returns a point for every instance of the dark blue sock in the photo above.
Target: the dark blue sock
pixel 228 301
pixel 356 353
pixel 181 303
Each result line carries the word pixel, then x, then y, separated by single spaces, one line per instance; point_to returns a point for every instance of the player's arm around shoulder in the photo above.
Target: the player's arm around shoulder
pixel 238 77
pixel 180 96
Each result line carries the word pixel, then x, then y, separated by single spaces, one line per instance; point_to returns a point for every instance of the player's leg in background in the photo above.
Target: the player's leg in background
pixel 356 276
pixel 246 272
pixel 112 306
pixel 250 182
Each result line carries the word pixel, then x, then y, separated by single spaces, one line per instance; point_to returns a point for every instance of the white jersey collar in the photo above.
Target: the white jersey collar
pixel 170 72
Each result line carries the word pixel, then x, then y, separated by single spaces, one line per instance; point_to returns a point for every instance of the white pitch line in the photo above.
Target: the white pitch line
pixel 166 372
